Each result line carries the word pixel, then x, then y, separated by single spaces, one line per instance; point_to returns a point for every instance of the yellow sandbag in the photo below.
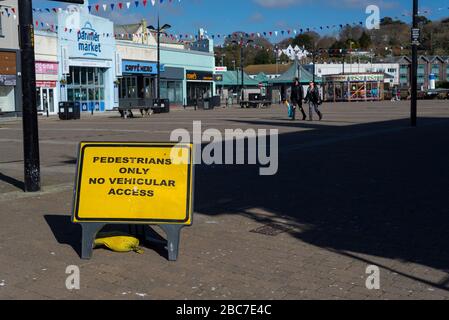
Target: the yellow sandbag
pixel 120 244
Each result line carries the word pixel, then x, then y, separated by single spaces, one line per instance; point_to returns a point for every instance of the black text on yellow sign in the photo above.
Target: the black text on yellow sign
pixel 134 183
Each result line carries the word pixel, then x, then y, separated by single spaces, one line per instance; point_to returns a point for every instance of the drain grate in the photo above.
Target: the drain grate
pixel 272 229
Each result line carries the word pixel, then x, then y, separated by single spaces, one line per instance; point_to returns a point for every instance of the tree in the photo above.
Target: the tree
pixel 365 41
pixel 263 57
pixel 307 40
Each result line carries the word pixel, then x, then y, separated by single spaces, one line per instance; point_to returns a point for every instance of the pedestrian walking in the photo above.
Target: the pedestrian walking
pixel 297 96
pixel 314 100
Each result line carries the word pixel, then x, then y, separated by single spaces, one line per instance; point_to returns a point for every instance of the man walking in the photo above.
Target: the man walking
pixel 314 100
pixel 296 97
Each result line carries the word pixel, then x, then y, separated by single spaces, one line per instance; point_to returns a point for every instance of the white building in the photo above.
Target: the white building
pixel 294 52
pixel 390 69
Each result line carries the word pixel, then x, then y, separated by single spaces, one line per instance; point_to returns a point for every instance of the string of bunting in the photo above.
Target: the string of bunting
pixel 183 38
pixel 120 5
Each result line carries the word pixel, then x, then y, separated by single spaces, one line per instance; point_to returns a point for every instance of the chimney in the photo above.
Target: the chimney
pixel 144 31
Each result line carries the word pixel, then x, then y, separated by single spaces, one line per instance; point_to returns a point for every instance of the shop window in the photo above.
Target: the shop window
pixel 70 95
pixel 83 74
pixel 7 99
pixel 85 84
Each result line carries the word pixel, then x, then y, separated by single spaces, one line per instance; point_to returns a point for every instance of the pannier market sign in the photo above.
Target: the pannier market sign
pixel 89 41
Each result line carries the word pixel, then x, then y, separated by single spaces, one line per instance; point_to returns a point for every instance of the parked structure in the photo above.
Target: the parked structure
pixel 354 87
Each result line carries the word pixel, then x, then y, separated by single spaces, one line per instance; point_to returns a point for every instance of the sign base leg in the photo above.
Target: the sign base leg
pixel 173 233
pixel 90 231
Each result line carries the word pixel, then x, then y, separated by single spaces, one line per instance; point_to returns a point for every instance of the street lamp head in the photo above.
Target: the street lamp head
pixel 151 28
pixel 165 27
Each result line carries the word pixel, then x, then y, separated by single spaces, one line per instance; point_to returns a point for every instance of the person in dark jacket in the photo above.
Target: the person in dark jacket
pixel 314 100
pixel 296 97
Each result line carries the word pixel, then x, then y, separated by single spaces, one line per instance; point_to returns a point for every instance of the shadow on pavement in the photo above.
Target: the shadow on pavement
pixel 65 231
pixel 68 233
pixel 12 181
pixel 380 189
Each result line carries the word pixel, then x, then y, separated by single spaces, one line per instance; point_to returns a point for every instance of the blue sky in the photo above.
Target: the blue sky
pixel 226 16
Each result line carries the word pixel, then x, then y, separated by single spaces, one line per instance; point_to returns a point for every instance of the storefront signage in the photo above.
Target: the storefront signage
pixel 355 78
pixel 134 183
pixel 137 67
pixel 221 69
pixel 46 67
pixel 8 80
pixel 199 76
pixel 46 84
pixel 218 78
pixel 83 35
pixel 89 41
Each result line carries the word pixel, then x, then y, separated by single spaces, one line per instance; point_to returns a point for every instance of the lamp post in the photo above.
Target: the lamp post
pixel 32 175
pixel 414 71
pixel 242 43
pixel 158 31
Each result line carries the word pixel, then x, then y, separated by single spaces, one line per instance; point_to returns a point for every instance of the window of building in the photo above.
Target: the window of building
pixel 128 88
pixel 85 84
pixel 7 99
pixel 421 69
pixel 436 71
pixel 171 90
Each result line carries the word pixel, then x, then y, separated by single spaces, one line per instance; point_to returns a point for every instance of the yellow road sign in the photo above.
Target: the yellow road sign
pixel 134 183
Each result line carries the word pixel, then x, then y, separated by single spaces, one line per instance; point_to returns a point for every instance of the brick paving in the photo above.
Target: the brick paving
pixel 358 189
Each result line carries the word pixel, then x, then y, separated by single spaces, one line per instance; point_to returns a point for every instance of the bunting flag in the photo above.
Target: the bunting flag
pixel 189 38
pixel 117 5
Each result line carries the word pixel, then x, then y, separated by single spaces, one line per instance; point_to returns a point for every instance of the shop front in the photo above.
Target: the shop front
pixel 172 85
pixel 88 60
pixel 8 82
pixel 46 86
pixel 354 87
pixel 199 86
pixel 137 86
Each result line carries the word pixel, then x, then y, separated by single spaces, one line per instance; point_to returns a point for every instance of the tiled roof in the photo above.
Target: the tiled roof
pixel 269 69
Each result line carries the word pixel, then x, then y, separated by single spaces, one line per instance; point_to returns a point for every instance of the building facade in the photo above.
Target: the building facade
pixel 87 60
pixel 47 72
pixel 103 66
pixel 10 68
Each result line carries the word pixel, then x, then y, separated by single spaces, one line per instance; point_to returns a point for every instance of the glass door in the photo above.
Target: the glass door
pixel 45 106
pixel 51 100
pixel 39 99
pixel 148 88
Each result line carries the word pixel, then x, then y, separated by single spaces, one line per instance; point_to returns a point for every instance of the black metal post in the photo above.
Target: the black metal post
pixel 414 71
pixel 29 105
pixel 158 93
pixel 243 79
pixel 313 57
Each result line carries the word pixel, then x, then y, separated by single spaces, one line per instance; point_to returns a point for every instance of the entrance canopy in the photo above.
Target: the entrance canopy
pixel 234 78
pixel 296 70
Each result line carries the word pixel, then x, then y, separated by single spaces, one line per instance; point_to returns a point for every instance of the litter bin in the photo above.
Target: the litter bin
pixel 76 111
pixel 63 110
pixel 69 110
pixel 161 106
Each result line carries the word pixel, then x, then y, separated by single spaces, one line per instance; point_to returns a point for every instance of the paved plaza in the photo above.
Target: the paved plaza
pixel 359 188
